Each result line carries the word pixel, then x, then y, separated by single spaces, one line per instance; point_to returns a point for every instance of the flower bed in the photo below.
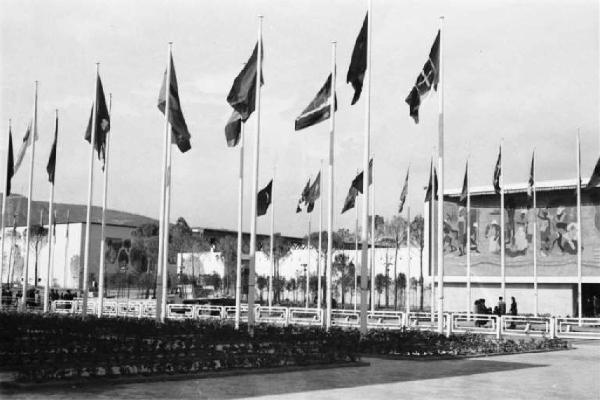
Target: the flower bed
pixel 49 348
pixel 423 344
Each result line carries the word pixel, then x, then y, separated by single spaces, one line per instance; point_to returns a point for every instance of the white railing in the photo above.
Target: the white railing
pixel 128 309
pixel 180 311
pixel 347 318
pixel 64 306
pixel 305 316
pixel 385 319
pixel 584 328
pixel 529 326
pixel 205 311
pixel 272 315
pixel 476 323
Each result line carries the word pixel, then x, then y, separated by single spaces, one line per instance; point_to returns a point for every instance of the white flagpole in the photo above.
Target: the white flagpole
pixel 356 255
pixel 238 271
pixel 86 257
pixel 272 244
pixel 440 214
pixel 372 261
pixel 579 300
pixel 32 137
pixel 468 242
pixel 53 237
pixel 167 190
pixel 66 268
pixel 408 261
pixel 433 247
pixel 307 273
pixel 50 244
pixel 103 224
pixel 319 256
pixel 331 186
pixel 502 229
pixel 535 274
pixel 252 269
pixel 4 196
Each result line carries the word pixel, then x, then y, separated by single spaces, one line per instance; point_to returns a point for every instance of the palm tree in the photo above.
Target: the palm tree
pixel 381 281
pixel 417 234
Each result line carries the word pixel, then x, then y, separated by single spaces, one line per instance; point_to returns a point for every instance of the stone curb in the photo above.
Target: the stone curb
pixel 451 357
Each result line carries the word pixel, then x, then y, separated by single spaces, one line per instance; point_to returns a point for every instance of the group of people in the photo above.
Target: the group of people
pixel 499 309
pixel 34 296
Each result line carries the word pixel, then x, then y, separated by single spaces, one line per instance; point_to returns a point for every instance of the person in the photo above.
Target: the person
pixel 513 306
pixel 501 307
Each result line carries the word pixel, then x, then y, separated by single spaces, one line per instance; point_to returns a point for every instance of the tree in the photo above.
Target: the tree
pixel 38 236
pixel 417 235
pixel 261 283
pixel 394 231
pixel 278 287
pixel 227 246
pixel 344 277
pixel 401 283
pixel 144 250
pixel 381 281
pixel 291 286
pixel 413 284
pixel 281 248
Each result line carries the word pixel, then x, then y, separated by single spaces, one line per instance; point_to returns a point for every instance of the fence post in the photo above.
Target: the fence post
pixel 552 327
pixel 499 327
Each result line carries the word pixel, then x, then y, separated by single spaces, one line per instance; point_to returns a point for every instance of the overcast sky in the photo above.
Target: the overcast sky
pixel 526 71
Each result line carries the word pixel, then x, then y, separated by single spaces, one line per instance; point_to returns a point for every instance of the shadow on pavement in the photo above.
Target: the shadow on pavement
pixel 380 372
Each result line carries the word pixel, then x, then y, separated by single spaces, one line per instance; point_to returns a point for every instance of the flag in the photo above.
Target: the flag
pixel 497 172
pixel 428 78
pixel 50 168
pixel 595 178
pixel 319 108
pixel 179 130
pixel 465 188
pixel 350 199
pixel 531 180
pixel 242 96
pixel 358 63
pixel 233 129
pixel 10 164
pixel 357 183
pixel 23 148
pixel 102 122
pixel 263 199
pixel 314 193
pixel 303 196
pixel 404 193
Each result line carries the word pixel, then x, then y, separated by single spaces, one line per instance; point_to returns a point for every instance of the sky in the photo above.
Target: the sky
pixel 525 71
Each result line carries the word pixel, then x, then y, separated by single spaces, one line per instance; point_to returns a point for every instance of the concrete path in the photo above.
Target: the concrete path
pixel 561 375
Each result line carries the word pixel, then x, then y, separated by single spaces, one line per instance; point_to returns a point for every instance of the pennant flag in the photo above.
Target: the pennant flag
pixel 358 63
pixel 179 130
pixel 303 196
pixel 102 122
pixel 314 193
pixel 429 184
pixel 350 199
pixel 10 164
pixel 357 183
pixel 242 96
pixel 319 108
pixel 428 78
pixel 51 167
pixel 263 199
pixel 595 178
pixel 403 194
pixel 465 188
pixel 497 172
pixel 531 181
pixel 23 148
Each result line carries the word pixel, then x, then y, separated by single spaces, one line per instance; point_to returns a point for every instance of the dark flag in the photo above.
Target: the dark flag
pixel 358 63
pixel 23 148
pixel 10 164
pixel 242 96
pixel 51 167
pixel 179 130
pixel 428 78
pixel 314 193
pixel 429 186
pixel 464 193
pixel 595 179
pixel 403 194
pixel 263 199
pixel 357 183
pixel 350 199
pixel 303 196
pixel 319 108
pixel 497 172
pixel 102 122
pixel 531 180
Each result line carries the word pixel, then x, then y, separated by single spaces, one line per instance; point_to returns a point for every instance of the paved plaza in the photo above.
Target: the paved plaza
pixel 561 375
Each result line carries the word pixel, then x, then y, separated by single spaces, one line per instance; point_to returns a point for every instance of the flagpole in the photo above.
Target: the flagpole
pixel 502 229
pixel 272 244
pixel 440 221
pixel 330 182
pixel 408 261
pixel 307 263
pixel 433 247
pixel 372 260
pixel 167 188
pixel 238 271
pixel 468 242
pixel 251 272
pixel 365 209
pixel 50 216
pixel 535 274
pixel 579 304
pixel 65 266
pixel 319 267
pixel 356 256
pixel 103 224
pixel 32 137
pixel 4 196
